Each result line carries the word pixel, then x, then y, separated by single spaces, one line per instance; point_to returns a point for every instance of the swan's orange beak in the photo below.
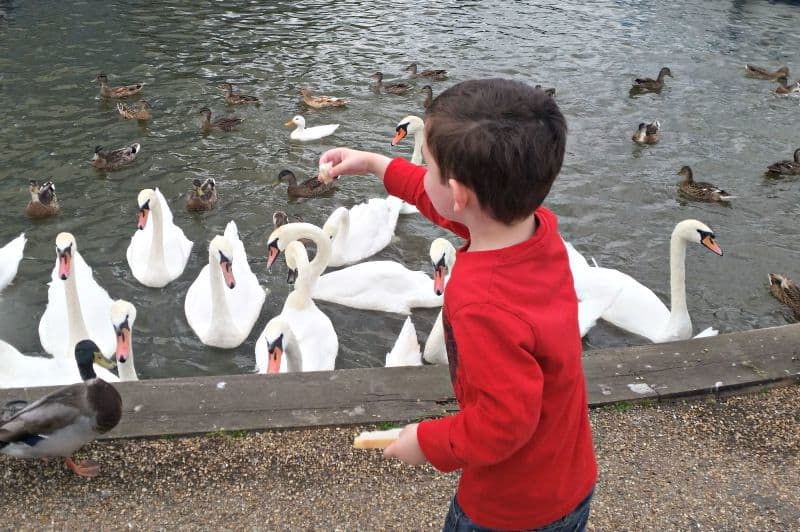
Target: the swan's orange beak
pixel 708 241
pixel 273 253
pixel 64 263
pixel 123 343
pixel 144 213
pixel 227 272
pixel 400 135
pixel 275 354
pixel 439 273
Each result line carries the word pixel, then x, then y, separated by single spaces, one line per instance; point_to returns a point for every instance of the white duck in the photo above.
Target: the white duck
pixel 77 308
pixel 310 341
pixel 414 126
pixel 10 257
pixel 301 132
pixel 636 309
pixel 224 302
pixel 361 231
pixel 443 257
pixel 123 314
pixel 159 250
pixel 405 351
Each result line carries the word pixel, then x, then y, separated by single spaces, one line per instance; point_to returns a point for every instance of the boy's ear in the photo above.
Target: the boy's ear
pixel 461 195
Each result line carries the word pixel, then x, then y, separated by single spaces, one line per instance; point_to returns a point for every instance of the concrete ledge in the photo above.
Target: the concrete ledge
pixel 356 396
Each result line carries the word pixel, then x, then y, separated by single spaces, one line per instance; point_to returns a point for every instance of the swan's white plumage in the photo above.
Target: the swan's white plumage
pixel 237 309
pixel 405 351
pixel 362 230
pixel 301 132
pixel 10 257
pixel 154 265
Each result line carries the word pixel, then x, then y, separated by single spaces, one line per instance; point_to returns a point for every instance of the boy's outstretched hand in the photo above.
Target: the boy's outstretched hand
pixel 341 161
pixel 406 447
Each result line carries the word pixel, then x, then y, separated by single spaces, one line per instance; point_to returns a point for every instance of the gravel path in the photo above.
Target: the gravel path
pixel 719 464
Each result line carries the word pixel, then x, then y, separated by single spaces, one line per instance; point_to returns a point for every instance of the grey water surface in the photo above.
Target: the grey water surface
pixel 617 202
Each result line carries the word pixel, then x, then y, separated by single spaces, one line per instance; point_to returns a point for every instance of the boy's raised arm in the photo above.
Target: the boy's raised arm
pixel 341 161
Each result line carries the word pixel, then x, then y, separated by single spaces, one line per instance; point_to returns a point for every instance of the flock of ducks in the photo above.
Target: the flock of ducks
pixel 82 325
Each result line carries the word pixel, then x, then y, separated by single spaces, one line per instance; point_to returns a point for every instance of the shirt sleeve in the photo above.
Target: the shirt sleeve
pixel 406 181
pixel 503 382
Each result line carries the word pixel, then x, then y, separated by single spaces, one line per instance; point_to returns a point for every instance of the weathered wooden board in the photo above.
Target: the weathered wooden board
pixel 356 396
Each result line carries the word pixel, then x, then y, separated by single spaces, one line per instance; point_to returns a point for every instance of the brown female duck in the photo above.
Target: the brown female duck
pixel 784 87
pixel 43 201
pixel 786 167
pixel 117 92
pixel 753 71
pixel 648 84
pixel 785 291
pixel 237 99
pixel 203 195
pixel 698 189
pixel 436 75
pixel 222 124
pixel 428 92
pixel 307 189
pixel 129 112
pixel 647 133
pixel 114 159
pixel 391 88
pixel 320 102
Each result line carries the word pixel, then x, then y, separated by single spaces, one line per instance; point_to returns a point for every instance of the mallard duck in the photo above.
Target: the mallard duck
pixel 222 124
pixel 647 133
pixel 203 195
pixel 309 188
pixel 391 88
pixel 785 88
pixel 699 189
pixel 43 201
pixel 65 420
pixel 237 99
pixel 436 75
pixel 116 158
pixel 786 167
pixel 785 291
pixel 301 132
pixel 129 112
pixel 117 92
pixel 753 71
pixel 427 90
pixel 648 84
pixel 319 102
pixel 550 91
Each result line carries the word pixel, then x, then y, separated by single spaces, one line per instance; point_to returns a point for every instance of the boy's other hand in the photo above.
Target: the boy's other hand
pixel 406 447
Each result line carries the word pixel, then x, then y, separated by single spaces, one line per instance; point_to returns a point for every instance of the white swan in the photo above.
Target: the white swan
pixel 123 314
pixel 301 132
pixel 311 337
pixel 414 126
pixel 361 231
pixel 159 250
pixel 10 257
pixel 224 302
pixel 77 308
pixel 405 351
pixel 443 257
pixel 636 309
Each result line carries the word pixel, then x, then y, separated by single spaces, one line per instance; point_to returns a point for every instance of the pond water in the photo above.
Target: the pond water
pixel 616 202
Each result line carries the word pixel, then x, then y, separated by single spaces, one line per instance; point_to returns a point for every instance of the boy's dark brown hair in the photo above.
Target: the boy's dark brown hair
pixel 503 139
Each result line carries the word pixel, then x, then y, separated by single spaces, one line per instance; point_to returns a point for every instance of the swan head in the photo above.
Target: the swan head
pixel 280 238
pixel 221 252
pixel 65 247
pixel 298 121
pixel 278 336
pixel 296 257
pixel 123 314
pixel 697 232
pixel 408 125
pixel 335 221
pixel 143 200
pixel 443 256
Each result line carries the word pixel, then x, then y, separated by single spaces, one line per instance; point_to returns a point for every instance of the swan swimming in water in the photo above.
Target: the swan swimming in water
pixel 10 257
pixel 361 231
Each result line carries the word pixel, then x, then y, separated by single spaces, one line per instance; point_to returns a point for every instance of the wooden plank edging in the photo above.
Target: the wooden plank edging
pixel 358 396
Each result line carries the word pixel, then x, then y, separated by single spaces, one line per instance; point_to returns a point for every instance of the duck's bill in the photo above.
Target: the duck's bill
pixel 103 362
pixel 289 123
pixel 708 242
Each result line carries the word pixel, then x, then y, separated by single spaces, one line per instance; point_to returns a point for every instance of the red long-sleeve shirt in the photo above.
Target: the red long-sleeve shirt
pixel 521 437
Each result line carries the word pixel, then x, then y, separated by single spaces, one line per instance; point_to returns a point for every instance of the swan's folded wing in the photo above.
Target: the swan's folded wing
pixel 405 351
pixel 636 308
pixel 435 351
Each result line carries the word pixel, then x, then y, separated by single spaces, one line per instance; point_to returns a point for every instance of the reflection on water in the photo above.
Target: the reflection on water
pixel 616 201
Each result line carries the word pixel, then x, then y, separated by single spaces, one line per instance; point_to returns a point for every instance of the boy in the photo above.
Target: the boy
pixel 522 437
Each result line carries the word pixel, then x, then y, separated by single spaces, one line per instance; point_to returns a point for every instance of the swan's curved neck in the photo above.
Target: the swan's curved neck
pixel 77 327
pixel 416 156
pixel 156 258
pixel 677 279
pixel 293 354
pixel 220 313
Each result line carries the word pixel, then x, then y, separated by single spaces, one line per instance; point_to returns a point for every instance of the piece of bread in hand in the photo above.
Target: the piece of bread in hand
pixel 376 439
